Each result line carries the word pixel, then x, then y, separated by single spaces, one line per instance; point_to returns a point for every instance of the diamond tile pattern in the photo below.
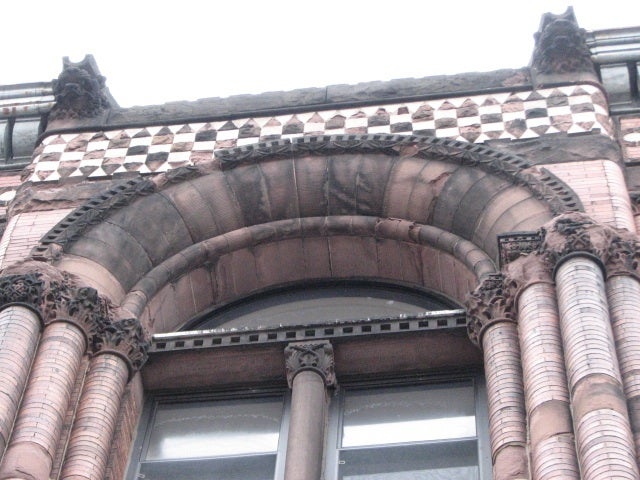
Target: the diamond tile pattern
pixel 475 119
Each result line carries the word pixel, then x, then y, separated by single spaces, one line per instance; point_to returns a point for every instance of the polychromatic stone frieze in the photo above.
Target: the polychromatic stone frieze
pixel 473 119
pixel 314 356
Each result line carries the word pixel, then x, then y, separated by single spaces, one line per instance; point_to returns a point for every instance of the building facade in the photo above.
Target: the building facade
pixel 424 278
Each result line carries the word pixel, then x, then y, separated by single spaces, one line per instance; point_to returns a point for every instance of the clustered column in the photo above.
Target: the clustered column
pixel 493 327
pixel 552 444
pixel 577 298
pixel 119 351
pixel 76 320
pixel 310 372
pixel 20 327
pixel 623 295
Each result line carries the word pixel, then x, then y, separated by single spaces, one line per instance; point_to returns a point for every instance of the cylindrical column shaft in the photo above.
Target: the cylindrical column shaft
pixel 507 423
pixel 95 422
pixel 553 454
pixel 601 423
pixel 19 331
pixel 623 295
pixel 306 428
pixel 37 429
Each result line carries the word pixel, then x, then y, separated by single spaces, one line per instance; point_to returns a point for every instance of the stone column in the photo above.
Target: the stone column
pixel 623 296
pixel 552 443
pixel 71 316
pixel 119 351
pixel 575 244
pixel 20 327
pixel 310 371
pixel 492 326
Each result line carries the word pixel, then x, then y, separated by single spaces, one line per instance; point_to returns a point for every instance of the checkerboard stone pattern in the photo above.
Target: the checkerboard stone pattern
pixel 476 119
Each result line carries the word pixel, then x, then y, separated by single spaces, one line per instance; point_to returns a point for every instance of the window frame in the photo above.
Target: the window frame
pixel 335 417
pixel 141 442
pixel 334 420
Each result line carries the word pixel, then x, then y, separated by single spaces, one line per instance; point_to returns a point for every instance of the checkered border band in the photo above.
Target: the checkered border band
pixel 575 109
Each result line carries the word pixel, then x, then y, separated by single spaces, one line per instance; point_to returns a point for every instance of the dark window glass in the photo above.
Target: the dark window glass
pixel 321 304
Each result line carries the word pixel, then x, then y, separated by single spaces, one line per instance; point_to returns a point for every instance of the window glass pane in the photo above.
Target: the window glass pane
pixel 322 304
pixel 215 428
pixel 255 467
pixel 455 460
pixel 408 414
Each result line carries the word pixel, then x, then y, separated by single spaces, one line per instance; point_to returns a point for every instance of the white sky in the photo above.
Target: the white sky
pixel 159 51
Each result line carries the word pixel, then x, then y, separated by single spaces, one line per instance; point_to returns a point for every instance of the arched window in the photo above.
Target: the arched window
pixel 392 425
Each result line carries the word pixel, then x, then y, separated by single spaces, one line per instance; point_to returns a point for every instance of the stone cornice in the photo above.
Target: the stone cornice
pixel 310 356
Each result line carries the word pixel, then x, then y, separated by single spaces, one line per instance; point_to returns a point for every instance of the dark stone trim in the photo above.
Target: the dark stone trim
pixel 220 338
pixel 545 185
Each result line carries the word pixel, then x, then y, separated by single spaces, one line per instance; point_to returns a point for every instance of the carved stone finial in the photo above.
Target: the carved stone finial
pixel 125 338
pixel 79 91
pixel 315 356
pixel 561 46
pixel 490 303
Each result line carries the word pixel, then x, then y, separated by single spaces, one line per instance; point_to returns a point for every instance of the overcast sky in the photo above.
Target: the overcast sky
pixel 157 51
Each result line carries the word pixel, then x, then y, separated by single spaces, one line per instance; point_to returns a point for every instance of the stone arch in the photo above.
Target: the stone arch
pixel 145 235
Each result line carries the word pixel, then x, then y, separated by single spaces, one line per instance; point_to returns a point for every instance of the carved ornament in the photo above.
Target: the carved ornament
pixel 561 46
pixel 316 357
pixel 125 338
pixel 57 297
pixel 623 257
pixel 79 91
pixel 490 303
pixel 22 289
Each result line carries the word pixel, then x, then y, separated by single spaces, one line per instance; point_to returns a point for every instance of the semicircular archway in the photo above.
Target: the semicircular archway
pixel 146 234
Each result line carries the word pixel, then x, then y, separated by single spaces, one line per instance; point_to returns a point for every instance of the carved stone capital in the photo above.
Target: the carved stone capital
pixel 575 233
pixel 490 303
pixel 313 356
pixel 527 270
pixel 125 338
pixel 24 289
pixel 82 306
pixel 561 46
pixel 623 257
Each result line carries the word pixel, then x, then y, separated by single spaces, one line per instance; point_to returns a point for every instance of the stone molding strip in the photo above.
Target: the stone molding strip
pixel 574 109
pixel 220 338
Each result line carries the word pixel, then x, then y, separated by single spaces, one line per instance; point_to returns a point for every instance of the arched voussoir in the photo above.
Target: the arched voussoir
pixel 141 225
pixel 230 266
